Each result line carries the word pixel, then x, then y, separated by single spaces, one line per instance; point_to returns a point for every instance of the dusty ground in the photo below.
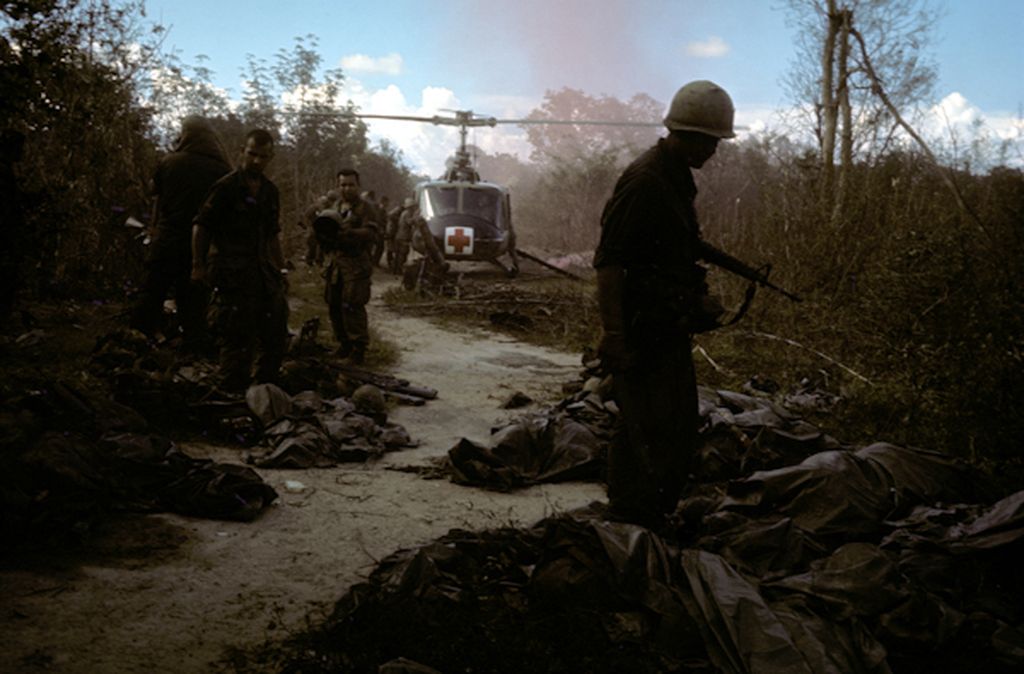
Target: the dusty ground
pixel 165 593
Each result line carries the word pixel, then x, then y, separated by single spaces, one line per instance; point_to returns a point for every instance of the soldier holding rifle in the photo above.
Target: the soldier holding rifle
pixel 652 298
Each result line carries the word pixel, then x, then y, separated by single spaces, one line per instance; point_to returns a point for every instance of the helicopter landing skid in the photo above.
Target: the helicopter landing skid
pixel 511 271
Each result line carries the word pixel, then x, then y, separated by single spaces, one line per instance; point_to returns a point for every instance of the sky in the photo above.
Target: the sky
pixel 498 58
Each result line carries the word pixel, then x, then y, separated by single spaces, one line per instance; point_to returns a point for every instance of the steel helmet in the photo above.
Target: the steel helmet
pixel 327 226
pixel 701 106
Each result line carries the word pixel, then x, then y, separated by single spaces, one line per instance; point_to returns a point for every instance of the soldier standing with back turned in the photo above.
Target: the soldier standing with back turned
pixel 182 180
pixel 650 293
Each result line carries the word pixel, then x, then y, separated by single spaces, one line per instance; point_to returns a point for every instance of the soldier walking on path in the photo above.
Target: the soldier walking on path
pixel 347 234
pixel 241 219
pixel 652 298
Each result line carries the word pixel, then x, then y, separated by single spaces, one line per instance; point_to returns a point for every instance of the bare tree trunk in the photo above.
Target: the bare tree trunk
pixel 828 107
pixel 845 114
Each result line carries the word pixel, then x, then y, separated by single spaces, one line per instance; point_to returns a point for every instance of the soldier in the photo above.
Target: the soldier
pixel 650 298
pixel 403 234
pixel 429 270
pixel 347 234
pixel 180 184
pixel 382 240
pixel 369 197
pixel 247 271
pixel 391 228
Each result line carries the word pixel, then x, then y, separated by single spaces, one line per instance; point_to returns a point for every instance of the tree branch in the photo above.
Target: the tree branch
pixel 946 175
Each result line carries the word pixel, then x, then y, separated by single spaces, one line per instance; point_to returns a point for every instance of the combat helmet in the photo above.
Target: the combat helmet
pixel 701 106
pixel 327 227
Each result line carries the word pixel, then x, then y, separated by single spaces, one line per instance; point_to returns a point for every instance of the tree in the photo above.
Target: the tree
pixel 177 90
pixel 552 138
pixel 835 78
pixel 381 170
pixel 577 164
pixel 259 108
pixel 561 209
pixel 502 168
pixel 66 66
pixel 316 139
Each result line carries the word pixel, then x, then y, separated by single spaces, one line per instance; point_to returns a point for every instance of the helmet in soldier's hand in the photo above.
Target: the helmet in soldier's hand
pixel 702 106
pixel 327 226
pixel 409 201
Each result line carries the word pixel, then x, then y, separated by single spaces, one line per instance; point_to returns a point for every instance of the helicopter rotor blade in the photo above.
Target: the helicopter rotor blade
pixel 594 122
pixel 466 118
pixel 462 118
pixel 582 122
pixel 405 118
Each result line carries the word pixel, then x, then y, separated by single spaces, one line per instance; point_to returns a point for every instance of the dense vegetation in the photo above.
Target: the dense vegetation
pixel 913 306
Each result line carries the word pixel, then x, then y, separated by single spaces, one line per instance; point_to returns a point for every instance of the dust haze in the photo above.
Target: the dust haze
pixel 583 45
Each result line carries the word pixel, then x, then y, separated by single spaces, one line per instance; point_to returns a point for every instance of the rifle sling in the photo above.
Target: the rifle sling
pixel 748 298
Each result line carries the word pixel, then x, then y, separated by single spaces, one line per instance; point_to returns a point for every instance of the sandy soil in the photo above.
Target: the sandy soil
pixel 165 593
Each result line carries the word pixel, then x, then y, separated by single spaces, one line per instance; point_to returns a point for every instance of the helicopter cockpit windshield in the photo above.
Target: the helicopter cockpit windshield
pixel 478 201
pixel 438 201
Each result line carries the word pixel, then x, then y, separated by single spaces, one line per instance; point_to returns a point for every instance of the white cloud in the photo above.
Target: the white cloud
pixel 955 110
pixel 960 132
pixel 713 47
pixel 955 117
pixel 390 64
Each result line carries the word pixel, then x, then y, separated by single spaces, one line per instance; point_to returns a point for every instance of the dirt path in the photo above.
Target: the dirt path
pixel 165 593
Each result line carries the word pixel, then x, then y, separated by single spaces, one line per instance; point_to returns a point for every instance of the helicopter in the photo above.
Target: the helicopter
pixel 470 218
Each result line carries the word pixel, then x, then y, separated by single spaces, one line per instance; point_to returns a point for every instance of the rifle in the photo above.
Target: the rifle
pixel 719 258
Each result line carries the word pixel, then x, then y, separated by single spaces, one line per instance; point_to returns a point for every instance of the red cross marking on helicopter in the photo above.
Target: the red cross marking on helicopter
pixel 459 240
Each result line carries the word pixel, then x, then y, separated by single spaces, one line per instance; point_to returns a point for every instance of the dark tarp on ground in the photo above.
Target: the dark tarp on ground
pixel 740 433
pixel 306 431
pixel 75 455
pixel 849 494
pixel 536 448
pixel 178 393
pixel 68 475
pixel 815 557
pixel 576 593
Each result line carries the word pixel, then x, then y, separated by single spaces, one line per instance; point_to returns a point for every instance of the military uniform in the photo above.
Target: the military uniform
pixel 249 301
pixel 348 278
pixel 403 236
pixel 390 229
pixel 649 228
pixel 380 216
pixel 181 183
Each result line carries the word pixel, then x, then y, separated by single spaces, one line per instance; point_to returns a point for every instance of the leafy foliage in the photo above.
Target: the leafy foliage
pixel 65 66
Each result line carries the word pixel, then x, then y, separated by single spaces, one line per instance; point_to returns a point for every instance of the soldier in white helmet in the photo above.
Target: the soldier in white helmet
pixel 650 291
